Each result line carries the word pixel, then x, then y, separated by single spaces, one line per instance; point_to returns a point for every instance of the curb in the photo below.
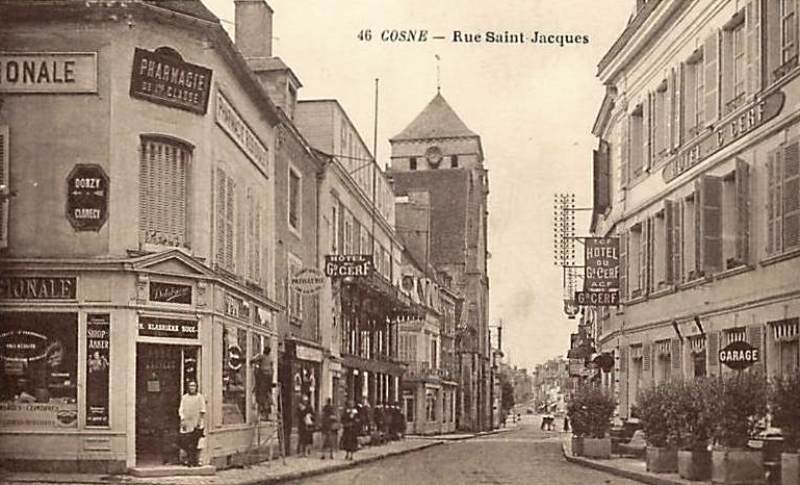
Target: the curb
pixel 639 477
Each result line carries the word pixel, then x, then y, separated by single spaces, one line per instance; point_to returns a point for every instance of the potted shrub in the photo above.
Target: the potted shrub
pixel 590 411
pixel 691 418
pixel 655 405
pixel 737 402
pixel 785 403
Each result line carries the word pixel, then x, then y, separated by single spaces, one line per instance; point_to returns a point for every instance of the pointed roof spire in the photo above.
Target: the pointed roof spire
pixel 437 120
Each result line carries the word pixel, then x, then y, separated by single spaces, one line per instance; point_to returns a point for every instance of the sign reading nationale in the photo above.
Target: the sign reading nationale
pixel 348 265
pixel 48 72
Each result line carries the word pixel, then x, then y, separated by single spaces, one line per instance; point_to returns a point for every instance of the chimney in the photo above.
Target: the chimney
pixel 254 28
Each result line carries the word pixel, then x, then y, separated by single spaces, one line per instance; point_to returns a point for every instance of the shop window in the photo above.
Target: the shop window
pixel 430 405
pixel 39 353
pixel 295 201
pixel 409 405
pixel 163 191
pixel 234 375
pixel 783 199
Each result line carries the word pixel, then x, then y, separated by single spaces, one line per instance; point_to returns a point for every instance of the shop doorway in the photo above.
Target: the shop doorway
pixel 162 372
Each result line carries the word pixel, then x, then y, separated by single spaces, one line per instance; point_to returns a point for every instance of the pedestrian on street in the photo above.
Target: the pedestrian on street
pixel 350 427
pixel 192 412
pixel 329 428
pixel 566 423
pixel 305 427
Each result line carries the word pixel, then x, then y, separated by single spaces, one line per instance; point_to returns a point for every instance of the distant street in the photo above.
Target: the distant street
pixel 525 455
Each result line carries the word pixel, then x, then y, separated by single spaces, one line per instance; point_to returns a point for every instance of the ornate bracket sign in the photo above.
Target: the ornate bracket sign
pixel 87 197
pixel 723 135
pixel 308 281
pixel 739 355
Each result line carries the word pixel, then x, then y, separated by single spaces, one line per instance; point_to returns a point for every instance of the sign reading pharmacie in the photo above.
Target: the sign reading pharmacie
pixel 308 281
pixel 739 355
pixel 48 72
pixel 348 265
pixel 239 131
pixel 87 197
pixel 747 120
pixel 163 77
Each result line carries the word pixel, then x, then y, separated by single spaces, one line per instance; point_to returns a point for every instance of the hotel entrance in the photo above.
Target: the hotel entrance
pixel 162 372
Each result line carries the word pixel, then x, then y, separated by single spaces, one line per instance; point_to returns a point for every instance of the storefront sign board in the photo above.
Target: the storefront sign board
pixel 166 79
pixel 167 327
pixel 37 288
pixel 239 131
pixel 48 72
pixel 170 293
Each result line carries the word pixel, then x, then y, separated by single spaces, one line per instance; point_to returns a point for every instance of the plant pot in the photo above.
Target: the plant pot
pixel 737 466
pixel 596 448
pixel 661 459
pixel 790 468
pixel 694 465
pixel 577 445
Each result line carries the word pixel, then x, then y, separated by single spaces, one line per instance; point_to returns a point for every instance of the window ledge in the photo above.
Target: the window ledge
pixel 663 291
pixel 743 268
pixel 296 321
pixel 636 300
pixel 792 253
pixel 781 82
pixel 693 283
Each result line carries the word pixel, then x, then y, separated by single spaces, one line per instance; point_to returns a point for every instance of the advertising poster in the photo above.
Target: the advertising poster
pixel 97 369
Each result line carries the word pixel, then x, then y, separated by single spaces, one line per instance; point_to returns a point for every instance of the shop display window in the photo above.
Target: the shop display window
pixel 234 375
pixel 38 384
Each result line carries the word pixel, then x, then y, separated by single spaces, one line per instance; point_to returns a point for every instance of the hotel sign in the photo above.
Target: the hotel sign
pixel 241 134
pixel 37 288
pixel 348 265
pixel 48 72
pixel 167 79
pixel 723 135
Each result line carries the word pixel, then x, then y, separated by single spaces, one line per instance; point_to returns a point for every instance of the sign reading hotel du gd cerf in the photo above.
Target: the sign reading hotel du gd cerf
pixel 348 265
pixel 601 272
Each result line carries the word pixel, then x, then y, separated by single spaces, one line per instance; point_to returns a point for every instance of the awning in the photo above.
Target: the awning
pixel 697 344
pixel 735 335
pixel 372 365
pixel 662 348
pixel 636 351
pixel 786 329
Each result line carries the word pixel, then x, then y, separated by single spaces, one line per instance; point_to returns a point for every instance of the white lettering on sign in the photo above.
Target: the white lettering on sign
pixel 90 183
pixel 738 355
pixel 86 213
pixel 233 124
pixel 48 72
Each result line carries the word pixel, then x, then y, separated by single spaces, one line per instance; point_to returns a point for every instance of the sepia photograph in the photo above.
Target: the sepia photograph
pixel 399 242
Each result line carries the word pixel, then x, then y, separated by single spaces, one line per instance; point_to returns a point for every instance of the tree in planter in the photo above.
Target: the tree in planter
pixel 690 415
pixel 737 402
pixel 590 411
pixel 785 404
pixel 653 409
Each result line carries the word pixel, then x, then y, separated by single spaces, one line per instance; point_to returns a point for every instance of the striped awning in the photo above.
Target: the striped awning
pixel 735 335
pixel 636 352
pixel 662 348
pixel 786 329
pixel 697 344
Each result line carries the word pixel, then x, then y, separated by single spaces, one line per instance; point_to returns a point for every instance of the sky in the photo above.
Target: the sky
pixel 532 104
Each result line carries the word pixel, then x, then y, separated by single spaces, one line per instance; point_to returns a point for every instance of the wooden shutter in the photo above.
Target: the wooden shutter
pixel 622 380
pixel 689 88
pixel 624 150
pixel 219 215
pixel 709 207
pixel 676 358
pixel 772 28
pixel 712 349
pixel 647 132
pixel 5 180
pixel 791 196
pixel 356 236
pixel 742 211
pixel 753 32
pixel 676 130
pixel 230 222
pixel 711 81
pixel 340 230
pixel 774 201
pixel 755 338
pixel 669 239
pixel 651 253
pixel 677 241
pixel 643 258
pixel 623 263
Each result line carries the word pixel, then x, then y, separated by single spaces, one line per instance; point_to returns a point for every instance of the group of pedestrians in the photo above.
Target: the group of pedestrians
pixel 330 424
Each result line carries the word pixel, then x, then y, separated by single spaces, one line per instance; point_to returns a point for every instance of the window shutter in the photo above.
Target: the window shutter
pixel 689 93
pixel 791 196
pixel 669 239
pixel 774 201
pixel 220 216
pixel 356 236
pixel 772 19
pixel 755 338
pixel 643 239
pixel 753 29
pixel 742 211
pixel 677 354
pixel 676 130
pixel 622 380
pixel 647 132
pixel 711 81
pixel 5 180
pixel 712 346
pixel 677 241
pixel 624 148
pixel 230 221
pixel 710 223
pixel 340 230
pixel 651 245
pixel 257 255
pixel 623 262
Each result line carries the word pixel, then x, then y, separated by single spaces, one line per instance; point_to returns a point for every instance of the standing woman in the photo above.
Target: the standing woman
pixel 305 427
pixel 329 428
pixel 350 425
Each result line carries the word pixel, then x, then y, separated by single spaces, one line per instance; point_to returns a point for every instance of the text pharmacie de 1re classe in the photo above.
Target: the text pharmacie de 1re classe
pixel 477 37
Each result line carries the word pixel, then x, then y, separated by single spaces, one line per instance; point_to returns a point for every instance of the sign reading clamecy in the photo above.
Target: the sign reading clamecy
pixel 739 355
pixel 308 281
pixel 348 265
pixel 601 278
pixel 87 197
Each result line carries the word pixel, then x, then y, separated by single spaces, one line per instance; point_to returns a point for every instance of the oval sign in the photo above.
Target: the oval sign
pixel 234 357
pixel 22 346
pixel 308 281
pixel 739 355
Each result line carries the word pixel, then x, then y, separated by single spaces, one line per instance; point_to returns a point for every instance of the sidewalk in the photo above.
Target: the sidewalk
pixel 262 473
pixel 631 468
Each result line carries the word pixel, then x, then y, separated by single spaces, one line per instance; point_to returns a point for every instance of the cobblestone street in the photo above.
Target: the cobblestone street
pixel 525 455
